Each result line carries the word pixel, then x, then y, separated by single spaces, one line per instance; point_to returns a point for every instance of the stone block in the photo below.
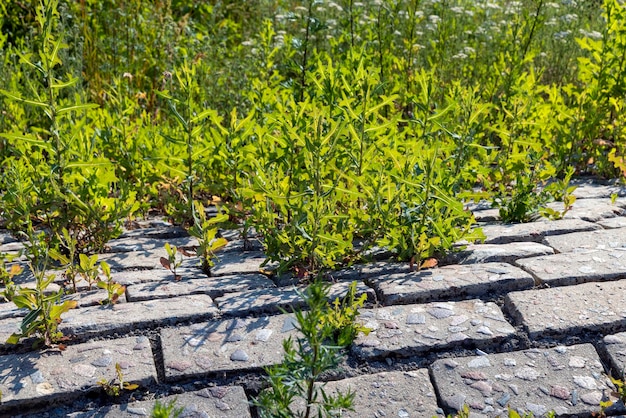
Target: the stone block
pixel 103 320
pixel 570 310
pixel 534 231
pixel 37 377
pixel 212 286
pixel 273 300
pixel 225 346
pixel 567 380
pixel 455 281
pixel 577 267
pixel 417 329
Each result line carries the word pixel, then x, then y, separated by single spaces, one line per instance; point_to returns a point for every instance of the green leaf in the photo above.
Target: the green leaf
pixel 22 100
pixel 28 139
pixel 76 108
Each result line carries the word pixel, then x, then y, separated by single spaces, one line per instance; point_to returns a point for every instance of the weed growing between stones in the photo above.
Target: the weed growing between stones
pixel 174 259
pixel 44 306
pixel 114 387
pixel 169 410
pixel 295 387
pixel 511 413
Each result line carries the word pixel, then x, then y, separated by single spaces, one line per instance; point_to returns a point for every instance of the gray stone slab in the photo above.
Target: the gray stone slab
pixel 12 247
pixel 615 348
pixel 587 189
pixel 129 316
pixel 6 237
pixel 9 310
pixel 215 401
pixel 591 210
pixel 570 310
pixel 392 394
pixel 365 271
pixel 149 243
pixel 603 239
pixel 94 297
pixel 212 286
pixel 567 380
pixel 387 394
pixel 143 260
pixel 577 267
pixel 223 346
pixel 487 215
pixel 416 329
pixel 534 231
pixel 489 253
pixel 8 326
pixel 454 281
pixel 132 277
pixel 162 231
pixel 37 377
pixel 273 300
pixel 612 223
pixel 237 262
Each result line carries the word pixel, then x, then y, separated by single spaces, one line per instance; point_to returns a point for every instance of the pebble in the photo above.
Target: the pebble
pixel 592 398
pixel 37 377
pixel 103 361
pixel 578 362
pixel 504 399
pixel 441 312
pixel 527 373
pixel 560 392
pixel 536 409
pixel 510 362
pixel 585 382
pixel 143 412
pixel 239 355
pixel 414 319
pixel 263 335
pixel 289 324
pixel 479 362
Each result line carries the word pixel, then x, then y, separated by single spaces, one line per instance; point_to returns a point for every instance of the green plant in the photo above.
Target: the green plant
pixel 115 386
pixel 172 262
pixel 45 309
pixel 206 231
pixel 7 274
pixel 168 410
pixel 510 413
pixel 295 387
pixel 87 269
pixel 114 289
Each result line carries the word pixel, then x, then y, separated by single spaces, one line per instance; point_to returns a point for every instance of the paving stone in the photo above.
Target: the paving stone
pixel 92 297
pixel 49 375
pixel 163 230
pixel 587 189
pixel 570 310
pixel 387 394
pixel 11 247
pixel 486 215
pixel 143 260
pixel 122 245
pixel 592 210
pixel 212 286
pixel 612 223
pixel 577 267
pixel 133 315
pixel 226 345
pixel 365 271
pixel 215 401
pixel 132 277
pixel 272 300
pixel 603 239
pixel 534 231
pixel 488 253
pixel 9 310
pixel 237 262
pixel 6 237
pixel 567 380
pixel 415 329
pixel 455 281
pixel 615 348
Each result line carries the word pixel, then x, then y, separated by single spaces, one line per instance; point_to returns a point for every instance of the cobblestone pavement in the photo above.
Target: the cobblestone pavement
pixel 533 319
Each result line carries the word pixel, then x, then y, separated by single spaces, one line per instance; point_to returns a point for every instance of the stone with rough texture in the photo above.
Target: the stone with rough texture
pixel 416 329
pixel 145 260
pixel 129 316
pixel 503 253
pixel 603 239
pixel 214 401
pixel 226 345
pixel 577 267
pixel 587 189
pixel 453 281
pixel 615 347
pixel 571 310
pixel 272 300
pixel 122 245
pixel 212 286
pixel 6 237
pixel 592 210
pixel 237 262
pixel 365 271
pixel 533 231
pixel 387 394
pixel 535 380
pixel 162 230
pixel 44 376
pixel 612 223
